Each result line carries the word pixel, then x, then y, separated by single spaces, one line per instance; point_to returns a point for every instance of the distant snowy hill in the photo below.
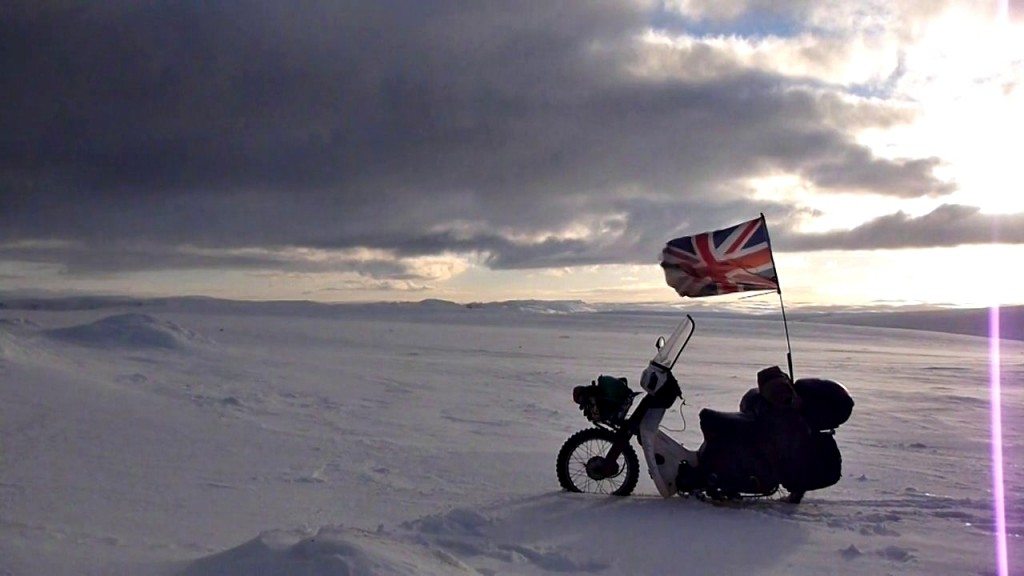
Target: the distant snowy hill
pixel 972 322
pixel 537 306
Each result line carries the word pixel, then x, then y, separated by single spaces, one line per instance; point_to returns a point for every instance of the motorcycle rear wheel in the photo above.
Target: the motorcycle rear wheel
pixel 581 458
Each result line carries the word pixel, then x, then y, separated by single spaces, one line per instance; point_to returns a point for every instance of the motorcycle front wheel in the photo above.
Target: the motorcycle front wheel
pixel 581 464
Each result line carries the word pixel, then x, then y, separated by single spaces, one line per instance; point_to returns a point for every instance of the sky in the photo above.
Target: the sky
pixel 479 151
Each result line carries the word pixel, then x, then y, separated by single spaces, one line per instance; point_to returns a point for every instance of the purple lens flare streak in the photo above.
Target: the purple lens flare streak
pixel 998 495
pixel 995 379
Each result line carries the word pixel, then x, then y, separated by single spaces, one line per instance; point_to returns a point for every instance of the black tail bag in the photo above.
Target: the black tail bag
pixel 824 404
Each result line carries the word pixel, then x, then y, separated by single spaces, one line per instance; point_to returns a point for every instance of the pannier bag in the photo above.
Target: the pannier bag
pixel 821 466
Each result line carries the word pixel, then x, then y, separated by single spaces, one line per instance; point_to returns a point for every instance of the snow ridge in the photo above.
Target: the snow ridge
pixel 333 550
pixel 131 331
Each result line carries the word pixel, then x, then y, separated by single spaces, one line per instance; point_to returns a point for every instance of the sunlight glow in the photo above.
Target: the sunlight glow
pixel 969 106
pixel 823 212
pixel 911 276
pixel 664 55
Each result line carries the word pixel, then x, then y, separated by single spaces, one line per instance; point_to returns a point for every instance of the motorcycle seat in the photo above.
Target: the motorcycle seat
pixel 715 423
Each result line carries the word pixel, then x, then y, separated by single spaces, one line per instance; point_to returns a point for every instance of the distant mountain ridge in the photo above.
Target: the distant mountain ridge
pixel 202 302
pixel 537 306
pixel 974 322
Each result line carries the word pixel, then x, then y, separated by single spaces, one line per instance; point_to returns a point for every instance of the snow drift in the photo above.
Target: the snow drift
pixel 132 331
pixel 331 551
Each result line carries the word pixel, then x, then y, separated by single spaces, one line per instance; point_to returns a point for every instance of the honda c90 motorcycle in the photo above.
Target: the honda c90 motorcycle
pixel 782 435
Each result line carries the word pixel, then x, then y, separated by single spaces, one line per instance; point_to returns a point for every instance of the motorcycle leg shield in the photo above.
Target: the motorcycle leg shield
pixel 663 454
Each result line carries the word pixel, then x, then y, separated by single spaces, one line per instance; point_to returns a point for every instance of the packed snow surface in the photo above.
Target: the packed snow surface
pixel 201 438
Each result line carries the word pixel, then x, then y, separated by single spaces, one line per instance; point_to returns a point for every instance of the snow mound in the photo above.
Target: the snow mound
pixel 332 551
pixel 17 323
pixel 5 345
pixel 512 544
pixel 135 331
pixel 13 332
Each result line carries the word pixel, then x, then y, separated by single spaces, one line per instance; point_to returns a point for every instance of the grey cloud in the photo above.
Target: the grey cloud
pixel 948 225
pixel 384 125
pixel 80 259
pixel 858 171
pixel 782 16
pixel 375 285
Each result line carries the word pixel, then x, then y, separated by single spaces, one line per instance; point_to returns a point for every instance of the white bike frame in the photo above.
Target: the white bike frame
pixel 663 454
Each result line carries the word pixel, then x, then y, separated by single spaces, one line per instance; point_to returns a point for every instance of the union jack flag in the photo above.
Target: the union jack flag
pixel 735 259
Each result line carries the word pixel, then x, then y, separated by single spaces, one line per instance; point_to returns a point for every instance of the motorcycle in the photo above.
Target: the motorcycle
pixel 783 435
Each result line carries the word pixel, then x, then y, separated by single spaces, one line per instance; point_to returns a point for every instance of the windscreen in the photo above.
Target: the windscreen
pixel 669 353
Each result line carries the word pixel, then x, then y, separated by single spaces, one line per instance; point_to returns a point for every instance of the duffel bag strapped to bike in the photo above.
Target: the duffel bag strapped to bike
pixel 607 399
pixel 824 404
pixel 774 391
pixel 753 404
pixel 776 387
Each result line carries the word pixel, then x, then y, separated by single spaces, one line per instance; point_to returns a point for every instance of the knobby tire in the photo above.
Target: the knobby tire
pixel 583 445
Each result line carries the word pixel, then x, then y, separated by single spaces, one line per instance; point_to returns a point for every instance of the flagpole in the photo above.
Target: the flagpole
pixel 782 304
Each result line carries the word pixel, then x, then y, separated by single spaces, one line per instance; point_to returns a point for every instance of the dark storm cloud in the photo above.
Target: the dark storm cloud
pixel 132 129
pixel 948 225
pixel 83 259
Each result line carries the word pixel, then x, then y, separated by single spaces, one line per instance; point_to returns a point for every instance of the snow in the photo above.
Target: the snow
pixel 131 330
pixel 198 437
pixel 329 551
